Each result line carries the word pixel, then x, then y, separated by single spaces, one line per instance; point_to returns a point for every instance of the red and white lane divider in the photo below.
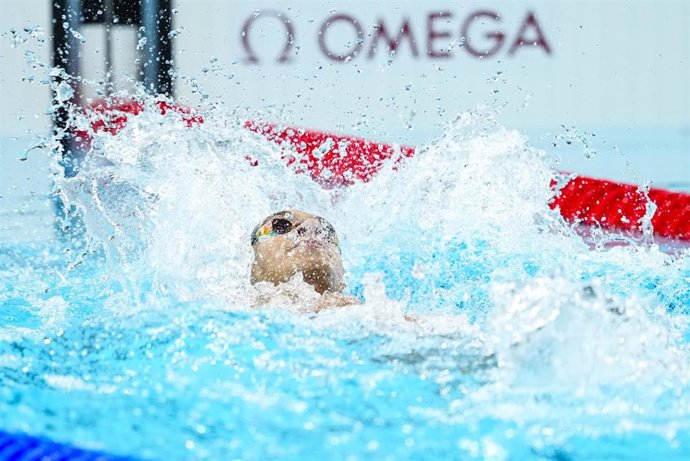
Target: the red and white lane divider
pixel 336 160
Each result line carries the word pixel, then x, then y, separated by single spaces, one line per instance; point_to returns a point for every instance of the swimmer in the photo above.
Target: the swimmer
pixel 295 242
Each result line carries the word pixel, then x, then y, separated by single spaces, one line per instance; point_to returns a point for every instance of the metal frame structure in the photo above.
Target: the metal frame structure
pixel 154 22
pixel 152 17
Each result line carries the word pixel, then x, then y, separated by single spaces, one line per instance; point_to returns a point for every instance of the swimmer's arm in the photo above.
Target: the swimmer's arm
pixel 329 300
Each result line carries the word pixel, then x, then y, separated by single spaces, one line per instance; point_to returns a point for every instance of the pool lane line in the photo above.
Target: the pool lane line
pixel 22 447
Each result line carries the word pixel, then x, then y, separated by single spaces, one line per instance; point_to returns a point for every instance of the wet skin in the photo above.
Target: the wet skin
pixel 291 242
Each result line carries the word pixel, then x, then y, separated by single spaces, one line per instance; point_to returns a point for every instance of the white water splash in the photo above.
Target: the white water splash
pixel 173 207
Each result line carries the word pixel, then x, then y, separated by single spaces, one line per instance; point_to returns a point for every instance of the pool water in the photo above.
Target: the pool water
pixel 136 333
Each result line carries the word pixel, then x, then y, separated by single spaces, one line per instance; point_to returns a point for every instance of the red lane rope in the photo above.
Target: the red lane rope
pixel 331 160
pixel 112 117
pixel 337 160
pixel 617 206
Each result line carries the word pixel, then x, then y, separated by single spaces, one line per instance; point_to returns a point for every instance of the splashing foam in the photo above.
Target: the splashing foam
pixel 173 208
pixel 579 336
pixel 572 355
pixel 479 179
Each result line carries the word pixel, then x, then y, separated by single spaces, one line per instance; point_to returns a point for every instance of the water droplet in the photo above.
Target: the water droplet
pixel 16 39
pixel 64 92
pixel 30 57
pixel 78 36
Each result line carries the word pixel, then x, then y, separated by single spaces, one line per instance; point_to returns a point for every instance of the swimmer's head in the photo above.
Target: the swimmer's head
pixel 293 241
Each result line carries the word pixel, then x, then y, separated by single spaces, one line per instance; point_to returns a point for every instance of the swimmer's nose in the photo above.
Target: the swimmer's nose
pixel 310 228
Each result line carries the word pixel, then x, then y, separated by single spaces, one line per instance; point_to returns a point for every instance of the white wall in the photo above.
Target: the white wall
pixel 612 62
pixel 618 69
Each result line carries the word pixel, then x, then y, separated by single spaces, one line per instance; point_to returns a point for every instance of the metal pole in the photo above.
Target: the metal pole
pixel 73 43
pixel 108 15
pixel 149 20
pixel 156 19
pixel 66 24
pixel 66 20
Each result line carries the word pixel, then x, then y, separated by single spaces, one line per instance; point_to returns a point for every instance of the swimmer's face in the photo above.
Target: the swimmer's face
pixel 293 241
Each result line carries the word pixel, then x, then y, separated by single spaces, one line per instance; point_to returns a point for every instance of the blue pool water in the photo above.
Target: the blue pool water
pixel 136 334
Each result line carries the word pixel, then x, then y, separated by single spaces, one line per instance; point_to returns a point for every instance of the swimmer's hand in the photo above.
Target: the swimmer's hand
pixel 330 300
